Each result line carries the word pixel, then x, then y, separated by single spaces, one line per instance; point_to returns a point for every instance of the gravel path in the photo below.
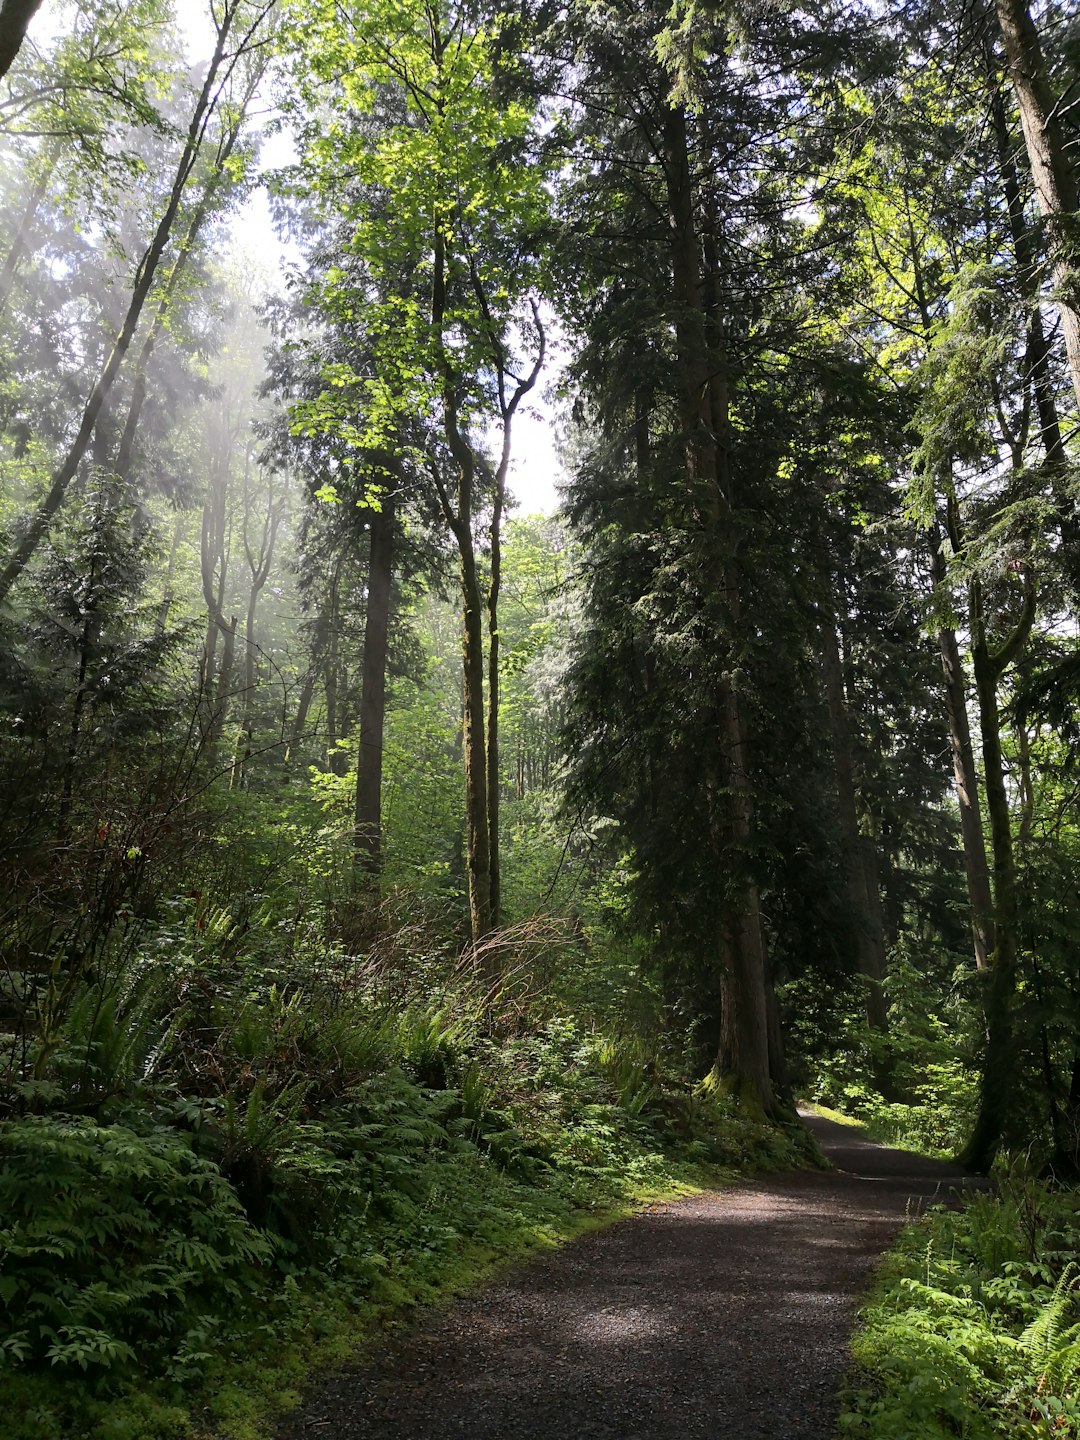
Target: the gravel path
pixel 721 1317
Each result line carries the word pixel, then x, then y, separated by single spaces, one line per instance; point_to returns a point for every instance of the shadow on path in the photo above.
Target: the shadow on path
pixel 722 1317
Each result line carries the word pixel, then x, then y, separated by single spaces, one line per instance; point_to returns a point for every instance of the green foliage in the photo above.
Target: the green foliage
pixel 931 1051
pixel 279 1148
pixel 974 1328
pixel 119 1247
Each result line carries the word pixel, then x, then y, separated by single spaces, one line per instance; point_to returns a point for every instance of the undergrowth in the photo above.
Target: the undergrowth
pixel 973 1329
pixel 221 1165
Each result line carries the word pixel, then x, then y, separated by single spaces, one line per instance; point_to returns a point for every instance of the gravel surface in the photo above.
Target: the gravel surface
pixel 724 1316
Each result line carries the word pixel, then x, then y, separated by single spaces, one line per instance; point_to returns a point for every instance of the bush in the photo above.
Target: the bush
pixel 974 1328
pixel 118 1247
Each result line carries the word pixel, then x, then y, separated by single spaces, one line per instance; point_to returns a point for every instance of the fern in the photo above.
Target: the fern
pixel 951 1345
pixel 113 1240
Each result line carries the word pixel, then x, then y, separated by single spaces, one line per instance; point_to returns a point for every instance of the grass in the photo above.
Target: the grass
pixel 834 1115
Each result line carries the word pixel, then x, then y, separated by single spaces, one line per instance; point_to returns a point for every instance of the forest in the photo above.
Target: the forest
pixel 396 875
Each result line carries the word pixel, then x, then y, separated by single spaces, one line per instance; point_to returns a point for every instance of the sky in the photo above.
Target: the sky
pixel 535 467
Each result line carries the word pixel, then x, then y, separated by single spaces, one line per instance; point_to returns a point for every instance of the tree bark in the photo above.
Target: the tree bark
pixel 223 689
pixel 259 570
pixel 15 17
pixel 459 518
pixel 332 678
pixel 1038 347
pixel 474 741
pixel 507 408
pixel 965 778
pixel 1000 982
pixel 367 839
pixel 702 390
pixel 494 583
pixel 214 553
pixel 1051 169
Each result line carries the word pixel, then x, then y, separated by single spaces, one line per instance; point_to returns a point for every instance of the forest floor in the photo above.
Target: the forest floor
pixel 725 1315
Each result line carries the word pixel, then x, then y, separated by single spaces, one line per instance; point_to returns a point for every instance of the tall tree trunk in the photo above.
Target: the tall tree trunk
pixel 39 524
pixel 223 689
pixel 332 677
pixel 478 855
pixel 214 548
pixel 242 754
pixel 15 17
pixel 869 936
pixel 459 518
pixel 259 563
pixel 1039 368
pixel 303 708
pixel 369 763
pixel 702 389
pixel 494 583
pixel 1000 984
pixel 508 406
pixel 1051 168
pixel 965 778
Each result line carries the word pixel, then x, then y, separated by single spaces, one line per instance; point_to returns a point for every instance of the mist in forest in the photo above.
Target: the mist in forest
pixel 539 562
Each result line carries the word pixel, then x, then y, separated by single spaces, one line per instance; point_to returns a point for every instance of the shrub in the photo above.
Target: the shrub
pixel 117 1245
pixel 974 1329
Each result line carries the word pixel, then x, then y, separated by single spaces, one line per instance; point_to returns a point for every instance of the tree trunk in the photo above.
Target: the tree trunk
pixel 223 688
pixel 494 583
pixel 303 708
pixel 976 871
pixel 332 677
pixel 459 518
pixel 1051 168
pixel 1000 982
pixel 214 548
pixel 259 563
pixel 369 764
pixel 1038 347
pixel 476 800
pixel 243 739
pixel 703 390
pixel 15 17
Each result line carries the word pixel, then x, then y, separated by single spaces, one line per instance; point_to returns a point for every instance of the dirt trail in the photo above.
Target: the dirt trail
pixel 724 1316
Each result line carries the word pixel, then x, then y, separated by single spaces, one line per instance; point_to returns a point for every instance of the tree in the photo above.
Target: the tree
pixel 15 17
pixel 249 22
pixel 1052 168
pixel 450 156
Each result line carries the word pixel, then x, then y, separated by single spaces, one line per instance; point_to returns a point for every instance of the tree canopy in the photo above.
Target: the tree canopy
pixel 749 771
